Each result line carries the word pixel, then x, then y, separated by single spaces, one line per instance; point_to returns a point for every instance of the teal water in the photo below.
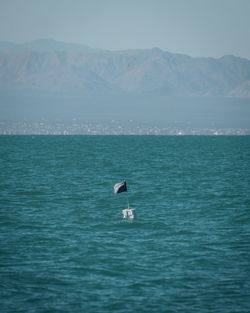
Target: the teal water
pixel 64 246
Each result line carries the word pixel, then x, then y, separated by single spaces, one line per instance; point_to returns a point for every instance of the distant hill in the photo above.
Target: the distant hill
pixel 44 45
pixel 51 66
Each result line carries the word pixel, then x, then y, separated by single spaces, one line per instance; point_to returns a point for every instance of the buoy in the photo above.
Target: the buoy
pixel 129 213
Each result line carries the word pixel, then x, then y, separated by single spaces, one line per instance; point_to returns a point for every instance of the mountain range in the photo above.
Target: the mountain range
pixel 47 65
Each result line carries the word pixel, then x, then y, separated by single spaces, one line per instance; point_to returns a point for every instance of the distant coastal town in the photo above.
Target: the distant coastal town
pixel 112 128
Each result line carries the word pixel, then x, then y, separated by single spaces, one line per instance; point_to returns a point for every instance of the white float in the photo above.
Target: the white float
pixel 128 214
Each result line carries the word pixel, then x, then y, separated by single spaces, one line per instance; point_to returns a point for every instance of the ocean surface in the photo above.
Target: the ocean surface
pixel 64 246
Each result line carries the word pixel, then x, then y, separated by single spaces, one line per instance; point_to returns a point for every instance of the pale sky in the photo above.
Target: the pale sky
pixel 210 28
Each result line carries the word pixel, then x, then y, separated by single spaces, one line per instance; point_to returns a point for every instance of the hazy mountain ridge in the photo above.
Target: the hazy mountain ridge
pixel 128 71
pixel 44 45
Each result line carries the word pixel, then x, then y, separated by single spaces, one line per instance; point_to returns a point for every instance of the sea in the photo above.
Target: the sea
pixel 65 247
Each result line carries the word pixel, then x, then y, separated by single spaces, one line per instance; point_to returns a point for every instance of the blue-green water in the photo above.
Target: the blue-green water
pixel 65 247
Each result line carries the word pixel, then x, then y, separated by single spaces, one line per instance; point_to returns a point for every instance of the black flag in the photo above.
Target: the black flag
pixel 120 187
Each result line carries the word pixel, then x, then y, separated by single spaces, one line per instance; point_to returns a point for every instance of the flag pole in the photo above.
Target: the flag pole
pixel 127 199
